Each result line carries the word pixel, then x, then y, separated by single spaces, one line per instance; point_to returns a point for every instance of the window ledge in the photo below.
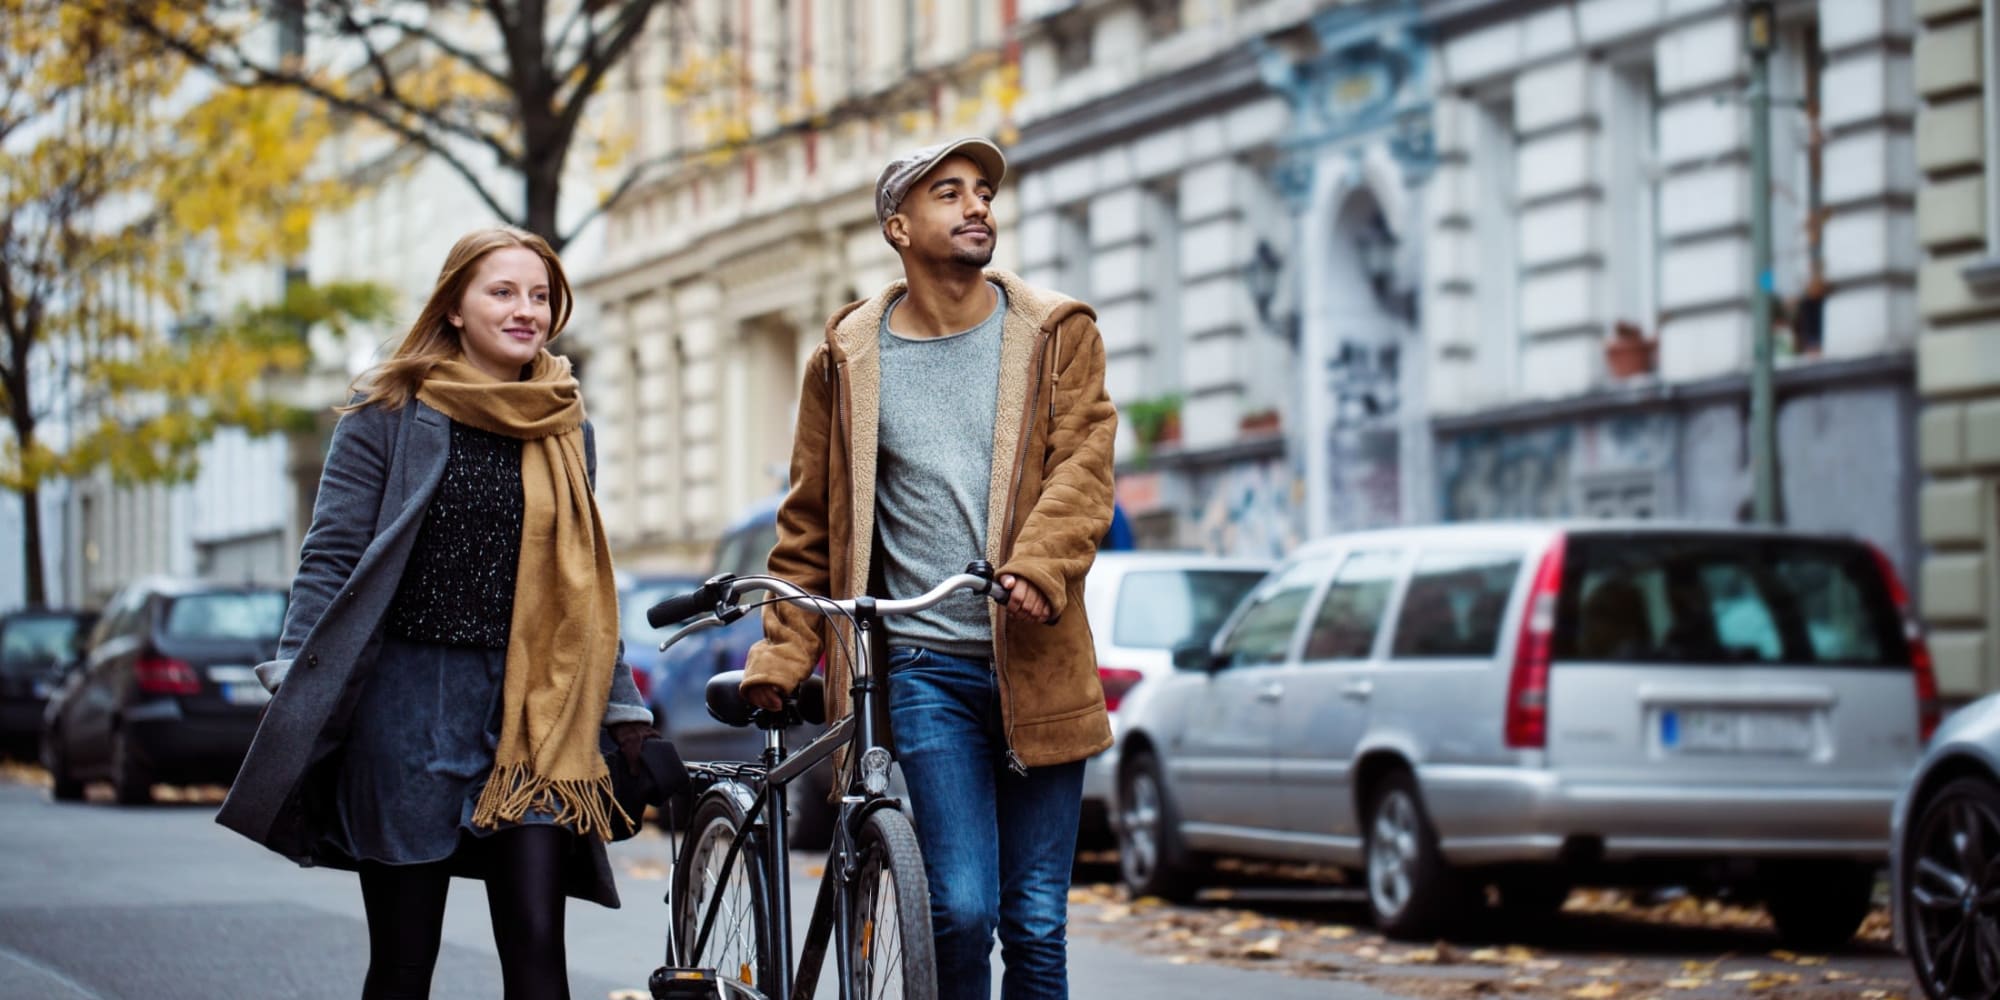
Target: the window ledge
pixel 1983 275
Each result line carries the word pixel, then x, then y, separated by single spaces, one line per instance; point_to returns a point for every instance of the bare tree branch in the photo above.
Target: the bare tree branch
pixel 268 76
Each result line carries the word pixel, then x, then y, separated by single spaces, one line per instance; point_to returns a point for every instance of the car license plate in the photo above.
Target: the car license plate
pixel 1706 730
pixel 252 693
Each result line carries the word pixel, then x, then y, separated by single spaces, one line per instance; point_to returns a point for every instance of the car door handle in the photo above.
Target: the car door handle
pixel 1357 690
pixel 1271 692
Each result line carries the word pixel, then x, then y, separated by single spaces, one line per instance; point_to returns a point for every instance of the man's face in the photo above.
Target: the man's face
pixel 948 215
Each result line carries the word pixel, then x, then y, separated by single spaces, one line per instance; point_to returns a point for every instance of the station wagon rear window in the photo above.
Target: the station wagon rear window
pixel 1722 600
pixel 226 616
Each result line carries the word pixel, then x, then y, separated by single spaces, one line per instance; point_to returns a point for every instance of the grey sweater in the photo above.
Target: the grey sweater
pixel 933 474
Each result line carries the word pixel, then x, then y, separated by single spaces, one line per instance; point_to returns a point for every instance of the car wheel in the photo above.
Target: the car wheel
pixel 131 782
pixel 1817 906
pixel 1152 861
pixel 1951 891
pixel 64 785
pixel 1411 890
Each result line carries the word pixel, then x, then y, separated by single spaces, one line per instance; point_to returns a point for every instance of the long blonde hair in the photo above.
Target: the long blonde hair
pixel 432 338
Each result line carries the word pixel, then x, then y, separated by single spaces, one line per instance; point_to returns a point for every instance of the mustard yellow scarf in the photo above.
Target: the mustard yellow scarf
pixel 563 644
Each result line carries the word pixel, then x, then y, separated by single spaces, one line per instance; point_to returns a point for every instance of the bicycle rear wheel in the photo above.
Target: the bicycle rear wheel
pixel 895 955
pixel 739 945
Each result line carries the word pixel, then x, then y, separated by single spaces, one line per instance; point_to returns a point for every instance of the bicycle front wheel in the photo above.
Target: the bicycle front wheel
pixel 739 944
pixel 895 956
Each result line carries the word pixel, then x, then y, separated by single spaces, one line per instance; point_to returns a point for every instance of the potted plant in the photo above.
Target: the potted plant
pixel 1629 351
pixel 1155 421
pixel 1260 421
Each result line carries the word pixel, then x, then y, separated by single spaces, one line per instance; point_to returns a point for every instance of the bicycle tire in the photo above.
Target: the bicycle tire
pixel 739 947
pixel 891 871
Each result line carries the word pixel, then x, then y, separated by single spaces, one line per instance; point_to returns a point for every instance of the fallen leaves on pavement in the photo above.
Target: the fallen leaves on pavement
pixel 1233 929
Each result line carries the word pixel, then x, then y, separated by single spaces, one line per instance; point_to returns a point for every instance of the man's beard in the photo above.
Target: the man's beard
pixel 973 256
pixel 976 256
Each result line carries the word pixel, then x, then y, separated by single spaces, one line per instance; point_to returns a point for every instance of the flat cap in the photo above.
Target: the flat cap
pixel 906 170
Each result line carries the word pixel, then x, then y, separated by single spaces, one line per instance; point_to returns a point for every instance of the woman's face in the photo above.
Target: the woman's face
pixel 503 320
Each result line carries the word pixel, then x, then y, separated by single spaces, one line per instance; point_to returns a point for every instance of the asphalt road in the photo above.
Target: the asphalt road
pixel 100 902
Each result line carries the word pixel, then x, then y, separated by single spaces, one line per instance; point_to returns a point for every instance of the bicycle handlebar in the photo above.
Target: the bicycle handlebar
pixel 721 595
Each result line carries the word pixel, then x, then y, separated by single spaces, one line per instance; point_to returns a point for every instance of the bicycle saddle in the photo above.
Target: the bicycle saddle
pixel 724 695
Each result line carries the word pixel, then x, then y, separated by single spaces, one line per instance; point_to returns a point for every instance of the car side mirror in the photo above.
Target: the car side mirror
pixel 1196 656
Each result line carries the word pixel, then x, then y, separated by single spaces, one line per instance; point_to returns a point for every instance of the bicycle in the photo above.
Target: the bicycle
pixel 731 871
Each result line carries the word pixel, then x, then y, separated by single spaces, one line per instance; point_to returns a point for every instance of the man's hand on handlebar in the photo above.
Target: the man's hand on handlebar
pixel 768 697
pixel 1025 603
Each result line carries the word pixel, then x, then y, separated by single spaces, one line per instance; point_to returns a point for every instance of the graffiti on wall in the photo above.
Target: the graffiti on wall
pixel 1250 510
pixel 1546 472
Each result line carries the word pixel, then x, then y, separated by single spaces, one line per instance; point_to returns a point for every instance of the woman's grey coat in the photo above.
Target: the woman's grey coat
pixel 382 469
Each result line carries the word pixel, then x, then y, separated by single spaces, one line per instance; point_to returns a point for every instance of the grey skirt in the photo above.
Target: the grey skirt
pixel 418 753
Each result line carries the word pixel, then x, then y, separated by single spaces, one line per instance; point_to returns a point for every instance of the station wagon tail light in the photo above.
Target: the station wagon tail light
pixel 164 675
pixel 1117 683
pixel 1528 688
pixel 1921 671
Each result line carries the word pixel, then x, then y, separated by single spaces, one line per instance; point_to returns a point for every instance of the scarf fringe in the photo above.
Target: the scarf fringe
pixel 584 805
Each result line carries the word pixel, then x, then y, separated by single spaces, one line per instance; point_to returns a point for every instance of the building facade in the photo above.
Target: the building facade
pixel 1958 353
pixel 1223 183
pixel 770 121
pixel 1588 271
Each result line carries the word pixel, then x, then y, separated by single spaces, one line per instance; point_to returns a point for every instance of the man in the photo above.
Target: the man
pixel 961 414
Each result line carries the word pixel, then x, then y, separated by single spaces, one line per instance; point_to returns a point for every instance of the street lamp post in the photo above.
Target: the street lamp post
pixel 1759 36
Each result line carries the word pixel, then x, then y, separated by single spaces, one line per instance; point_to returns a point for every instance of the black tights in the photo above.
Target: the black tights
pixel 405 905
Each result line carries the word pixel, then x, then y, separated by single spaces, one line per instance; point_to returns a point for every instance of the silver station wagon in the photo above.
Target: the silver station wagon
pixel 1530 707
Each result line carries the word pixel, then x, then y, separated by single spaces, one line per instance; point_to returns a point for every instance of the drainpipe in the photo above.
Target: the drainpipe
pixel 1759 37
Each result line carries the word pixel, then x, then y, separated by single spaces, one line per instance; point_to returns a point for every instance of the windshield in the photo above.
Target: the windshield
pixel 1161 609
pixel 257 616
pixel 33 646
pixel 1725 600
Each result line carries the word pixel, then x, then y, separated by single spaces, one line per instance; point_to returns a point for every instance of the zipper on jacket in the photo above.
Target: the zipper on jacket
pixel 1007 547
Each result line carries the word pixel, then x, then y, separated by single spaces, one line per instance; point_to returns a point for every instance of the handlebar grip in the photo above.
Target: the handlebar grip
pixel 999 594
pixel 680 607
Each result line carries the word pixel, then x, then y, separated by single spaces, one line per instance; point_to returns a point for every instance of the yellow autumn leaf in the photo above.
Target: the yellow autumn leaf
pixel 1598 990
pixel 1686 983
pixel 1266 948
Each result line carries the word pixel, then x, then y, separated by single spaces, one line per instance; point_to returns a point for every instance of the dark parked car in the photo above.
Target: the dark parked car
pixel 167 691
pixel 680 675
pixel 636 593
pixel 35 646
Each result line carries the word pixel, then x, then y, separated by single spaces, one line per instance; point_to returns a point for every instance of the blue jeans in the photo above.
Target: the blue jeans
pixel 997 845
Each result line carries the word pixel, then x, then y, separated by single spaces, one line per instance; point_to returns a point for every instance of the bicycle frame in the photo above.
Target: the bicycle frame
pixel 866 733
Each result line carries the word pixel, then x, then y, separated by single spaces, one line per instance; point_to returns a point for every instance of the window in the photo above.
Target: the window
pixel 1632 212
pixel 1264 632
pixel 226 616
pixel 1722 600
pixel 32 646
pixel 1496 227
pixel 1168 608
pixel 1455 604
pixel 1351 613
pixel 747 552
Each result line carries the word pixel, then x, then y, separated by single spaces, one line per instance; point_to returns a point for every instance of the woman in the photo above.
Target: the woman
pixel 451 650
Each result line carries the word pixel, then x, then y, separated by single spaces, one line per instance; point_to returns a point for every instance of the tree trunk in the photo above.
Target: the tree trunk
pixel 31 553
pixel 542 177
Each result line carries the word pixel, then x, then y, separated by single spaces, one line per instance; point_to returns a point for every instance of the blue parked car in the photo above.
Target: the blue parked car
pixel 679 676
pixel 636 593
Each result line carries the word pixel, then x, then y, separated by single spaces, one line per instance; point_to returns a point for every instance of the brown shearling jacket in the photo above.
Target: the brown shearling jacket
pixel 1049 503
